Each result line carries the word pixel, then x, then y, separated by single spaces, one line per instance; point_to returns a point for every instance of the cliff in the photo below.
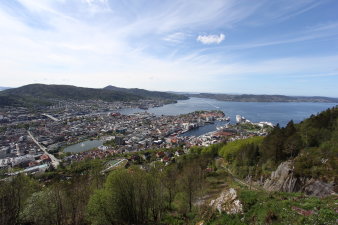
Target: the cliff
pixel 284 179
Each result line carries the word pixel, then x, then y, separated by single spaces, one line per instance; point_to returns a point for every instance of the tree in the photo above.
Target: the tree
pixel 130 196
pixel 191 178
pixel 41 208
pixel 13 195
pixel 169 178
pixel 292 145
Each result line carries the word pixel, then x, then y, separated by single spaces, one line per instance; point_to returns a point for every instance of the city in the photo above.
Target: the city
pixel 30 139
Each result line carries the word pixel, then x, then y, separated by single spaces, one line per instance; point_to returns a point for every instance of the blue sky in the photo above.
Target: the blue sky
pixel 230 46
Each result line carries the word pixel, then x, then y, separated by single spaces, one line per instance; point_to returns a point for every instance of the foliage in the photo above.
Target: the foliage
pixel 230 150
pixel 13 195
pixel 312 144
pixel 111 143
pixel 279 208
pixel 212 150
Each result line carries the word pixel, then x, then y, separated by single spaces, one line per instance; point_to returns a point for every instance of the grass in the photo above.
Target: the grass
pixel 261 207
pixel 276 208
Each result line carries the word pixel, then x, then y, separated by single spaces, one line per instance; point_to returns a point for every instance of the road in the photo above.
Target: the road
pixel 241 181
pixel 55 161
pixel 49 116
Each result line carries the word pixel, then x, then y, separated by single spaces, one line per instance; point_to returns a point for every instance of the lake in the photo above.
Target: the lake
pixel 275 112
pixel 83 146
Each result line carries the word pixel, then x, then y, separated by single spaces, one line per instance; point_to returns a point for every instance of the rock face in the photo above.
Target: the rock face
pixel 283 179
pixel 227 202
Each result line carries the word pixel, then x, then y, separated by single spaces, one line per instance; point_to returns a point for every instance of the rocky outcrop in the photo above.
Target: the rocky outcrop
pixel 227 202
pixel 283 179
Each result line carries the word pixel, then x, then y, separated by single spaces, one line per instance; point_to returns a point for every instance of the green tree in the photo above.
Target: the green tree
pixel 190 180
pixel 169 181
pixel 41 208
pixel 132 196
pixel 13 195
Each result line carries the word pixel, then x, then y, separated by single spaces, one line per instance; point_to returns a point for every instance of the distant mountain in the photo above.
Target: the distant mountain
pixel 42 94
pixel 4 88
pixel 147 94
pixel 263 98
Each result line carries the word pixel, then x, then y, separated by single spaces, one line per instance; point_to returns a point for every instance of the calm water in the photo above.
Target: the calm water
pixel 83 146
pixel 275 112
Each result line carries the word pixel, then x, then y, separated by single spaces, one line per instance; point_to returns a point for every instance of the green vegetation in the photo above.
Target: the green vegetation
pixel 312 144
pixel 80 194
pixel 230 150
pixel 279 208
pixel 249 127
pixel 110 143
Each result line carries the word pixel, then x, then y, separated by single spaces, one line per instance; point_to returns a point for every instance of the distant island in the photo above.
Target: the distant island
pixel 263 98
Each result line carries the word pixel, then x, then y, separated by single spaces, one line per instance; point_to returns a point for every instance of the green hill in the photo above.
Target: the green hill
pixel 42 94
pixel 312 144
pixel 147 94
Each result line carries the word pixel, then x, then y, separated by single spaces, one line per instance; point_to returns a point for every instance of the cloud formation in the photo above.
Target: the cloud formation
pixel 156 45
pixel 175 37
pixel 210 39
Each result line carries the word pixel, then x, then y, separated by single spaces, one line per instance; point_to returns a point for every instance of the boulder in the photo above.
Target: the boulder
pixel 227 202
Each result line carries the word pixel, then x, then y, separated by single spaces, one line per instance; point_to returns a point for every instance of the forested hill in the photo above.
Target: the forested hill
pixel 312 144
pixel 41 94
pixel 147 94
pixel 263 98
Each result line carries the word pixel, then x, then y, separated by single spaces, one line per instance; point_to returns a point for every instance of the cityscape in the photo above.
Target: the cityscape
pixel 30 139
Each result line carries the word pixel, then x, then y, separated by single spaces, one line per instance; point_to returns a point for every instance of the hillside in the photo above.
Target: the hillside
pixel 147 94
pixel 263 98
pixel 41 94
pixel 311 146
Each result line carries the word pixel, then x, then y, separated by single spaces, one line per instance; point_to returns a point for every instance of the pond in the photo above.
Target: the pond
pixel 83 146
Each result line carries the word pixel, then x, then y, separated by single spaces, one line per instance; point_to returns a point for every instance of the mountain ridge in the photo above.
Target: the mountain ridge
pixel 146 93
pixel 43 94
pixel 263 98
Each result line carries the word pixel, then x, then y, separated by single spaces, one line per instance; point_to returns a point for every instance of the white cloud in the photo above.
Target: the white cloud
pixel 97 6
pixel 175 37
pixel 210 39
